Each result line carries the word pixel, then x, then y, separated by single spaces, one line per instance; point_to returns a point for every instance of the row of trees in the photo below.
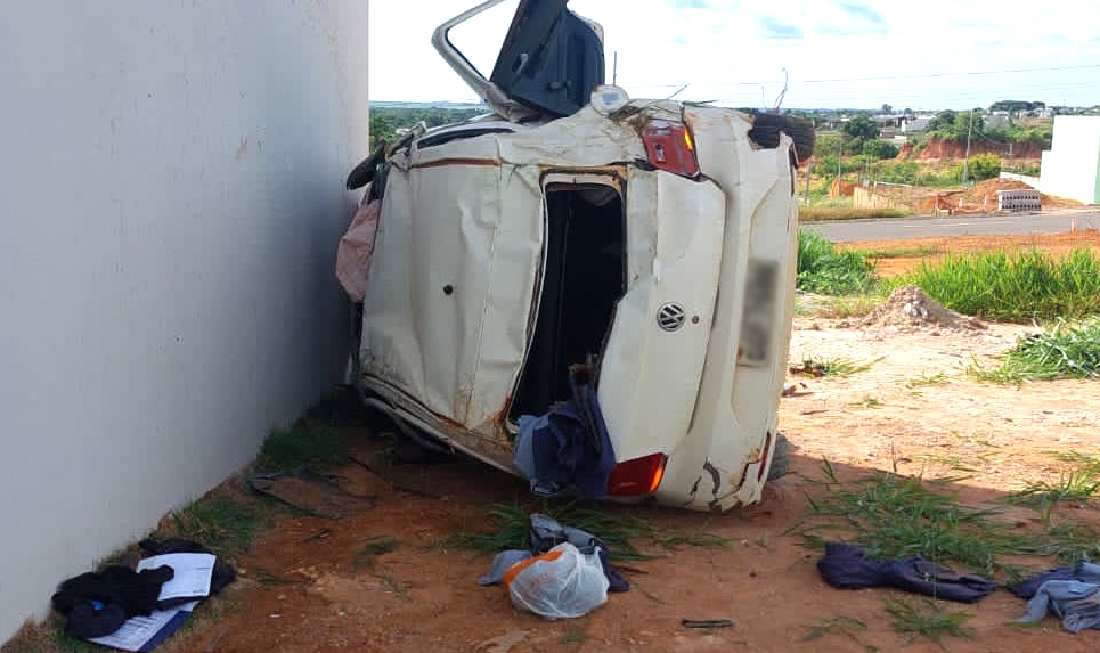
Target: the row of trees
pixel 385 121
pixel 952 126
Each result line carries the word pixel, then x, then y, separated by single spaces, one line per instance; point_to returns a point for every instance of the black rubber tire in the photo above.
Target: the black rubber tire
pixel 767 127
pixel 781 458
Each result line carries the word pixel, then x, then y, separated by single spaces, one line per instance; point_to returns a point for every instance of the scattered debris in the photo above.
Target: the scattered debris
pixel 312 494
pixel 792 390
pixel 910 308
pixel 714 623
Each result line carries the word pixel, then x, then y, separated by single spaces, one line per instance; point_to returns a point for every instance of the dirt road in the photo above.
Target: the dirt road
pixel 308 586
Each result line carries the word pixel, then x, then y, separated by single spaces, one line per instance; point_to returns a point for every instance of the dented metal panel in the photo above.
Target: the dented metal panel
pixel 719 465
pixel 451 286
pixel 650 374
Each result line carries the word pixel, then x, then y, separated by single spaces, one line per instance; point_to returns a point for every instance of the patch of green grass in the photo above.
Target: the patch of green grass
pixel 926 618
pixel 839 625
pixel 923 251
pixel 1064 351
pixel 834 213
pixel 824 268
pixel 838 367
pixel 1083 461
pixel 924 380
pixel 309 446
pixel 1080 485
pixel 849 306
pixel 225 524
pixel 1016 287
pixel 509 528
pixel 575 635
pixel 375 546
pixel 894 516
pixel 957 463
pixel 868 402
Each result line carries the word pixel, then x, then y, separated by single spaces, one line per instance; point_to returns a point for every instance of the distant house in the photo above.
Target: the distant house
pixel 915 125
pixel 888 121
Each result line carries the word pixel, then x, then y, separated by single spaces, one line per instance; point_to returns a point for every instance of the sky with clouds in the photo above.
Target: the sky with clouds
pixel 838 53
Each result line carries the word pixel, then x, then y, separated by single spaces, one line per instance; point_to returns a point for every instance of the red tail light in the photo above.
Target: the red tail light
pixel 637 477
pixel 670 147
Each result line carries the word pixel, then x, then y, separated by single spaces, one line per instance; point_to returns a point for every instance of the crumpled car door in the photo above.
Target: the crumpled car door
pixel 551 59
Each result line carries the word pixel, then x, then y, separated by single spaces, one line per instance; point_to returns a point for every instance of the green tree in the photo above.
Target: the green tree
pixel 861 127
pixel 985 166
pixel 828 144
pixel 878 150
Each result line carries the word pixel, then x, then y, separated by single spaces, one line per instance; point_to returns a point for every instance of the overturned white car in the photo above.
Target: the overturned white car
pixel 653 242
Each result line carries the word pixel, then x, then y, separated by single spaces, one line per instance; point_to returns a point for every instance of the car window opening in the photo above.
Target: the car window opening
pixel 583 280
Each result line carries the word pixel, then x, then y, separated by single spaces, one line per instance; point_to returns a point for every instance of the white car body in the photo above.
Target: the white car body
pixel 459 270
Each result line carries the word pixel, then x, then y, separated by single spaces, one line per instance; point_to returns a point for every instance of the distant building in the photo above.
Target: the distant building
pixel 1071 168
pixel 914 125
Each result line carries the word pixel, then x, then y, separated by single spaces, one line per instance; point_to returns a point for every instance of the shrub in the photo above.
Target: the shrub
pixel 985 166
pixel 825 269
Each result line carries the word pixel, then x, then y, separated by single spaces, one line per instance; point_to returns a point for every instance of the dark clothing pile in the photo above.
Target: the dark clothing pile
pixel 845 566
pixel 1072 594
pixel 546 533
pixel 569 446
pixel 97 603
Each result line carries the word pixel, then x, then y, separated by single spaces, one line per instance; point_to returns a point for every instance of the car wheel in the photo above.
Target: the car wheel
pixel 766 128
pixel 781 458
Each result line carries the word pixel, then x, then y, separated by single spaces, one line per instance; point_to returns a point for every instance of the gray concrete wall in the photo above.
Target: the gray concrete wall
pixel 171 196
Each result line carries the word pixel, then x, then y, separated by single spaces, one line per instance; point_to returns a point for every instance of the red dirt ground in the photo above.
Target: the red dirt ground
pixel 1059 244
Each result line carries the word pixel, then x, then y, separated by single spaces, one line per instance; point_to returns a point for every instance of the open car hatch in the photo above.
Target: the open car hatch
pixel 548 66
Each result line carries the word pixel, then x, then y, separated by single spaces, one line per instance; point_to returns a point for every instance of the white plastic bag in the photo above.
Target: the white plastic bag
pixel 561 584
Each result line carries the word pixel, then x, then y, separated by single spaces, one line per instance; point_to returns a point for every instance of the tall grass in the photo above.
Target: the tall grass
pixel 1013 287
pixel 826 269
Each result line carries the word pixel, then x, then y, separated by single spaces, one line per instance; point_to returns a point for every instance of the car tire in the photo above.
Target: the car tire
pixel 766 128
pixel 781 458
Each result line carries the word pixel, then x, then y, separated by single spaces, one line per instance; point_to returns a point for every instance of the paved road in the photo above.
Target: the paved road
pixel 960 225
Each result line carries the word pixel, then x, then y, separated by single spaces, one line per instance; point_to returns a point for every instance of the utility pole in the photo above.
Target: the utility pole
pixel 839 151
pixel 809 173
pixel 615 70
pixel 966 163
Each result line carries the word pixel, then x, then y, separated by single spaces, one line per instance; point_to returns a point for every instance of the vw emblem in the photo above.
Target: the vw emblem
pixel 670 317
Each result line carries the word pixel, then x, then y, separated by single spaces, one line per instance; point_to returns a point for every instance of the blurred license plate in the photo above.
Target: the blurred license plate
pixel 758 320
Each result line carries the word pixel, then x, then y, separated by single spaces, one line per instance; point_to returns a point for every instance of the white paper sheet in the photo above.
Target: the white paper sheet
pixel 137 632
pixel 193 572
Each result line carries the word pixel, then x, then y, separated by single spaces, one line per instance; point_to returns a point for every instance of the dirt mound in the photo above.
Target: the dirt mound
pixel 982 198
pixel 909 308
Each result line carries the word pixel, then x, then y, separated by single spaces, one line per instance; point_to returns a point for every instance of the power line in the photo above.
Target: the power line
pixel 880 78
